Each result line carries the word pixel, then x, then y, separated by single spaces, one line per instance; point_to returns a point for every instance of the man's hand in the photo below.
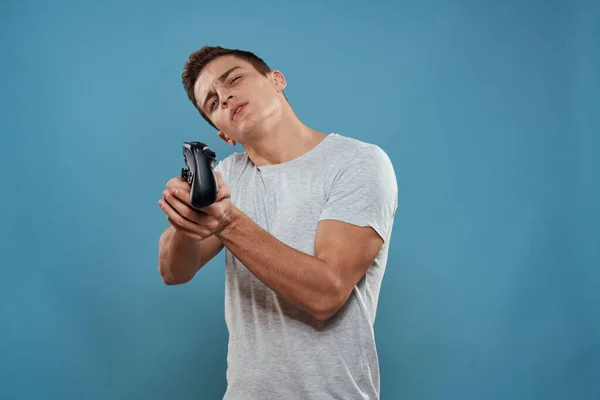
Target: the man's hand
pixel 196 224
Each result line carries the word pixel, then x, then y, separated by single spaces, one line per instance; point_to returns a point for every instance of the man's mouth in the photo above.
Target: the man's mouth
pixel 237 109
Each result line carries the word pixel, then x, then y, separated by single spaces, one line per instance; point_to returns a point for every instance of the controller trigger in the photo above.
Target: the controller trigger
pixel 187 175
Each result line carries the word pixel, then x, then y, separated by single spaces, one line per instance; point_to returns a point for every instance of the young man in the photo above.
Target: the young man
pixel 306 220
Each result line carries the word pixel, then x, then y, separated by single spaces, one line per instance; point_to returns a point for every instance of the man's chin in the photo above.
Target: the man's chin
pixel 248 127
pixel 252 126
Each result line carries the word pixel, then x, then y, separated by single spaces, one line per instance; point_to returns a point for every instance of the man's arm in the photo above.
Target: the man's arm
pixel 318 284
pixel 180 257
pixel 181 252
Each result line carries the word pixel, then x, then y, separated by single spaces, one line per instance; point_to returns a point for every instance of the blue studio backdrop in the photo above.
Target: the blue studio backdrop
pixel 489 111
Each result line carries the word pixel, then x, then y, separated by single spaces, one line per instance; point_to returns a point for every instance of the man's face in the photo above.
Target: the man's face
pixel 236 97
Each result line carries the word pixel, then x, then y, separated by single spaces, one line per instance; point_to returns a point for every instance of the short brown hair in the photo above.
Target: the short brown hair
pixel 200 58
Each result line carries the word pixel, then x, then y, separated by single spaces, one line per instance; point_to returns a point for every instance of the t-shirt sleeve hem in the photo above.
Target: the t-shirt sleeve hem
pixel 358 221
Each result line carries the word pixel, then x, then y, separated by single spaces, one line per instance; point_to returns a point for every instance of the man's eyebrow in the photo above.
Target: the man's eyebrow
pixel 222 78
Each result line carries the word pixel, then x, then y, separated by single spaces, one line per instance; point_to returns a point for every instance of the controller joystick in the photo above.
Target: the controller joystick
pixel 199 173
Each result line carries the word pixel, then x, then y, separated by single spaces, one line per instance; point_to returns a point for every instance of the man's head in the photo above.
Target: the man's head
pixel 219 82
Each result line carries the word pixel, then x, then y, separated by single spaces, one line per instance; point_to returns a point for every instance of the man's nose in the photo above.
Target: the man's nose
pixel 224 94
pixel 226 99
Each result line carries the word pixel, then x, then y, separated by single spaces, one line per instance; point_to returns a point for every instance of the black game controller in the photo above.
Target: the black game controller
pixel 200 174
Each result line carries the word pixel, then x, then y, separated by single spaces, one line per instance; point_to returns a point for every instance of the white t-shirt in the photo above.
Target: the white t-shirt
pixel 276 350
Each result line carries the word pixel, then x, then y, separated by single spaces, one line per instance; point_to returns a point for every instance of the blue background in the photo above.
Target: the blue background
pixel 490 113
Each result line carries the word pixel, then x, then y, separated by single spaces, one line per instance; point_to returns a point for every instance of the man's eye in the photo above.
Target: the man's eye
pixel 235 79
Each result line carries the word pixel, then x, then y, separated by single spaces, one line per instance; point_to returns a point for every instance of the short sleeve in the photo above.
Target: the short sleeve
pixel 364 192
pixel 221 167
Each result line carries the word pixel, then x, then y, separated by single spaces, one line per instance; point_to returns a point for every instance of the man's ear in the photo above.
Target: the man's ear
pixel 278 80
pixel 226 138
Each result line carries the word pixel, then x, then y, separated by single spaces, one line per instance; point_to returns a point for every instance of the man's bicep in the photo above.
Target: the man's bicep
pixel 349 250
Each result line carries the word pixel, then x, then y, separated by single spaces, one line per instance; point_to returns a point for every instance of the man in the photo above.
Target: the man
pixel 306 220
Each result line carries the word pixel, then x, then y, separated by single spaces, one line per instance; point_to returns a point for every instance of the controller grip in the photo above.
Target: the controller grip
pixel 200 174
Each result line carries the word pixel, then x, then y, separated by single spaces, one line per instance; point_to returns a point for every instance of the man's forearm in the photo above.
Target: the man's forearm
pixel 179 257
pixel 302 279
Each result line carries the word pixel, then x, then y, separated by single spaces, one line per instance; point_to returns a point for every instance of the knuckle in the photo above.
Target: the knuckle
pixel 218 212
pixel 208 226
pixel 204 232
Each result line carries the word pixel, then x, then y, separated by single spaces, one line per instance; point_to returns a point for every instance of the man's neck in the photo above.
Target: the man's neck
pixel 282 142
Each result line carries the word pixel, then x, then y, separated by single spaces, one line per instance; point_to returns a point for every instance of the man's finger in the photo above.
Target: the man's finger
pixel 186 232
pixel 219 179
pixel 183 208
pixel 181 221
pixel 172 214
pixel 178 183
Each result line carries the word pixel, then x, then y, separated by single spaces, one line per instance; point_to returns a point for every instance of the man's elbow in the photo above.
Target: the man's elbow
pixel 329 306
pixel 169 279
pixel 172 282
pixel 323 314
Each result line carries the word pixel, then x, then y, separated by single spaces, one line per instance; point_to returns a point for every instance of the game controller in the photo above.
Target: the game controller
pixel 199 173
